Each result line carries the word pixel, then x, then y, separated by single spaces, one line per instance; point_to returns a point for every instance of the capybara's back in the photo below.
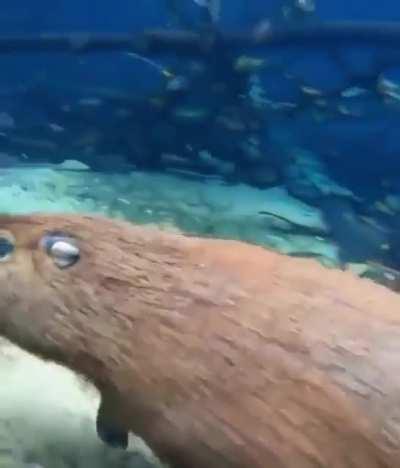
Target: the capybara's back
pixel 218 353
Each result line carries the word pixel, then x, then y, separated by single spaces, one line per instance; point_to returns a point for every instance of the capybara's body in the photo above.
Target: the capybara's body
pixel 218 353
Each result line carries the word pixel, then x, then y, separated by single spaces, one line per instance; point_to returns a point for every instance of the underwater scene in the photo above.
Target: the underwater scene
pixel 270 122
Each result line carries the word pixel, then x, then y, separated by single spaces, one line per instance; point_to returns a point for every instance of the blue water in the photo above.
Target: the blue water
pixel 318 124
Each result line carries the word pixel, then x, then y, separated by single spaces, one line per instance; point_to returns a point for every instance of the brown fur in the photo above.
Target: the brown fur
pixel 218 353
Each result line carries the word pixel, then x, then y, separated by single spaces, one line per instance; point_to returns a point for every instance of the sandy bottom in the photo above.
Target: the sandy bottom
pixel 47 418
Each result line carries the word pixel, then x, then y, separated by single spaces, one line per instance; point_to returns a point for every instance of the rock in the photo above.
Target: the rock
pixel 73 165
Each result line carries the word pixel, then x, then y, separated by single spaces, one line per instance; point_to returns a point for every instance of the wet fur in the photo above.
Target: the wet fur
pixel 218 353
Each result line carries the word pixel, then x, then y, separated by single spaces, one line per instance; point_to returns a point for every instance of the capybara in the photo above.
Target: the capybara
pixel 219 354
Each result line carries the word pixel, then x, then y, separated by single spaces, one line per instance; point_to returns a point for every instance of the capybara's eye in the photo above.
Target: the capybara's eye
pixel 7 247
pixel 62 248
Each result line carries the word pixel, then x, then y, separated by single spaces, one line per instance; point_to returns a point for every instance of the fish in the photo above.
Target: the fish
pixel 217 353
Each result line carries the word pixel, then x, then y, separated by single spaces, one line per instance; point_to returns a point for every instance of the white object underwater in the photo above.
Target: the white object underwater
pixel 47 418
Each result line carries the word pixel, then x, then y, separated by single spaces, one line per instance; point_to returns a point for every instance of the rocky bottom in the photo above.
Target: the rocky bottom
pixel 330 232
